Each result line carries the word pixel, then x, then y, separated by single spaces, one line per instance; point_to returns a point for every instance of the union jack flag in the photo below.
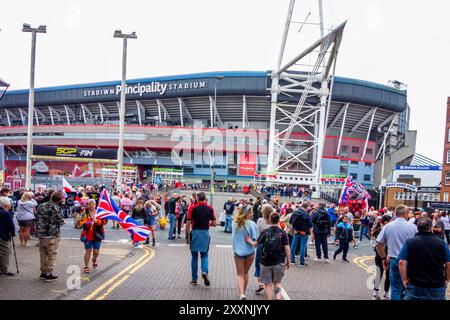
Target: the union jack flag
pixel 108 210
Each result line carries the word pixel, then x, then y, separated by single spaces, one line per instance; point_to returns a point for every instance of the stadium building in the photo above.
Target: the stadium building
pixel 228 103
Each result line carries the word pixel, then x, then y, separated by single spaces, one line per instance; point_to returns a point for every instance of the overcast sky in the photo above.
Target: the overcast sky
pixel 384 40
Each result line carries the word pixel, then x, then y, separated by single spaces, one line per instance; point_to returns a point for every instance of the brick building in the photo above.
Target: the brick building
pixel 445 182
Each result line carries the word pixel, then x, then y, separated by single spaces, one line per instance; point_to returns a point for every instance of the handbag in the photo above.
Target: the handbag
pixel 99 235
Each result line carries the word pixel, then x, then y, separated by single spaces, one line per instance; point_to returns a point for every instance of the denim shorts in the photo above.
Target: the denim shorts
pixel 92 245
pixel 243 257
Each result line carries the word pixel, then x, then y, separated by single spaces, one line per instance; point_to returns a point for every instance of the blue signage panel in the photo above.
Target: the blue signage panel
pixel 426 168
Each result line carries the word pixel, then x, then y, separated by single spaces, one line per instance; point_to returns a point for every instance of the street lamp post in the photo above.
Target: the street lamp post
pixel 125 37
pixel 41 29
pixel 213 172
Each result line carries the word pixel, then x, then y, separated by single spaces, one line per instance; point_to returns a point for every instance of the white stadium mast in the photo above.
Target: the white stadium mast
pixel 300 102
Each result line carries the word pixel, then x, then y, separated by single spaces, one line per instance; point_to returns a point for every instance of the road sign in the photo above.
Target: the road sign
pixel 429 189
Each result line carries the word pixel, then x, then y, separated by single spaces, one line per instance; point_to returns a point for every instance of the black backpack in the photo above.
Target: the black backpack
pixel 299 222
pixel 323 222
pixel 271 248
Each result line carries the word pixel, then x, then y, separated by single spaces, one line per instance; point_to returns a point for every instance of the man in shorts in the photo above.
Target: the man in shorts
pixel 275 255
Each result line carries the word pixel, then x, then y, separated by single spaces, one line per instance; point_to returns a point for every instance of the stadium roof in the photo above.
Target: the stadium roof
pixel 422 161
pixel 255 83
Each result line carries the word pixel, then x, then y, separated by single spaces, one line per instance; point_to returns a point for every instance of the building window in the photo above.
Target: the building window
pixel 448 135
pixel 369 151
pixel 343 168
pixel 344 151
pixel 447 178
pixel 367 177
pixel 354 163
pixel 368 165
pixel 448 156
pixel 445 199
pixel 355 149
pixel 354 175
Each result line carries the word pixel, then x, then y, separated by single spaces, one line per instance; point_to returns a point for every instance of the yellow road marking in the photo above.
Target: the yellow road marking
pixel 115 285
pixel 360 262
pixel 152 254
pixel 110 281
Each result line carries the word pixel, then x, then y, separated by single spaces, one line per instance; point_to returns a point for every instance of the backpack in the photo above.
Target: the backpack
pixel 271 247
pixel 323 222
pixel 299 222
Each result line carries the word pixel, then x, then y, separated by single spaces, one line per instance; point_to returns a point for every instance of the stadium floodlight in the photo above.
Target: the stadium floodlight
pixel 41 29
pixel 125 37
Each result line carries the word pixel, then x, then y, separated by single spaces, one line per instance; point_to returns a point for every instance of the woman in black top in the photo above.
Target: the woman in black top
pixel 379 262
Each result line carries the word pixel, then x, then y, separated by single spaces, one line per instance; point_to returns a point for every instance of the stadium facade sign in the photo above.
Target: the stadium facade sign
pixel 142 89
pixel 74 152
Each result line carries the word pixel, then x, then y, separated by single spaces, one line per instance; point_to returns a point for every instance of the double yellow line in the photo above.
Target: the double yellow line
pixel 361 262
pixel 111 284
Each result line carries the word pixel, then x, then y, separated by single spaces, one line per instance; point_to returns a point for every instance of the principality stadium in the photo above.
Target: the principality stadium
pixel 298 124
pixel 86 116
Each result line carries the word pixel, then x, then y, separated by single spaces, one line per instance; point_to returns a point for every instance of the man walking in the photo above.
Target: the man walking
pixel 49 219
pixel 425 264
pixel 171 206
pixel 322 229
pixel 229 209
pixel 301 223
pixel 200 216
pixel 394 235
pixel 7 232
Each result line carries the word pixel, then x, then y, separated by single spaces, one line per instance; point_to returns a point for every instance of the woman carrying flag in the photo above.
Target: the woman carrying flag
pixel 92 235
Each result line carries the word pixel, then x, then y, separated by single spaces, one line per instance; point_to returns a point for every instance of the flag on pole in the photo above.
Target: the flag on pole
pixel 108 210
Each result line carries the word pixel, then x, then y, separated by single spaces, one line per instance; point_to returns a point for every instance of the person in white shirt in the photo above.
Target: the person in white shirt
pixel 445 218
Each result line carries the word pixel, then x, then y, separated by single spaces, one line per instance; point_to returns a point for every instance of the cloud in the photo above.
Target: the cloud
pixel 374 19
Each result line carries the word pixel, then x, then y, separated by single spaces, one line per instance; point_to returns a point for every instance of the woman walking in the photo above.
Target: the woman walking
pixel 152 212
pixel 344 235
pixel 138 214
pixel 92 235
pixel 379 262
pixel 26 208
pixel 244 253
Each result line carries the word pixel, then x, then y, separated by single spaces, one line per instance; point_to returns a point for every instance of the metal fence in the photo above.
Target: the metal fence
pixel 55 182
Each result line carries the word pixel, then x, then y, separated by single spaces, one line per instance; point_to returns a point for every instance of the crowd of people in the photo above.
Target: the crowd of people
pixel 411 249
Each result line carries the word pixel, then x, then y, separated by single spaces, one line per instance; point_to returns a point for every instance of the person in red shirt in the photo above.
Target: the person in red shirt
pixel 200 217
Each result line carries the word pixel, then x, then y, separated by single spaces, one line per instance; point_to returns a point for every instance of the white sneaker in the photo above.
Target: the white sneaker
pixel 327 260
pixel 243 297
pixel 318 260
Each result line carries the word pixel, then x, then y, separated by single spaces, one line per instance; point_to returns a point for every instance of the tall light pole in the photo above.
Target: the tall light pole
pixel 125 37
pixel 382 168
pixel 41 29
pixel 212 158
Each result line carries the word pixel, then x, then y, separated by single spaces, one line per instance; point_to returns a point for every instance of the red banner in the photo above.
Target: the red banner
pixel 247 165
